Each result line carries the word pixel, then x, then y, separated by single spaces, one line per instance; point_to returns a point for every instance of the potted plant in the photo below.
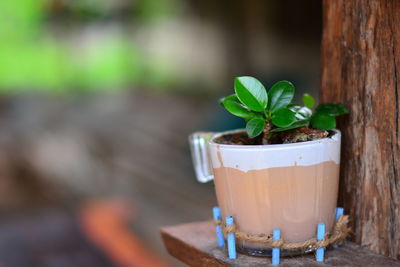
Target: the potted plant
pixel 282 171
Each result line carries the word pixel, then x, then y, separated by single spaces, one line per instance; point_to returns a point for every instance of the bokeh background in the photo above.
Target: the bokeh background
pixel 97 98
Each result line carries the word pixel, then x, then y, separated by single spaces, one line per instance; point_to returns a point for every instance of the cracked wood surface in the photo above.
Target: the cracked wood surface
pixel 360 67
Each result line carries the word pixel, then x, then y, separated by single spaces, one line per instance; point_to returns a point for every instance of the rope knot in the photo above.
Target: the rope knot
pixel 277 244
pixel 323 243
pixel 230 229
pixel 217 222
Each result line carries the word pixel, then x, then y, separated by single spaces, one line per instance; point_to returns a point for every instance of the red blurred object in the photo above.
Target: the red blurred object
pixel 105 224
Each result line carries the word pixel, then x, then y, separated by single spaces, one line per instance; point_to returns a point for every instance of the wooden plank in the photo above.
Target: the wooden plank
pixel 196 245
pixel 361 68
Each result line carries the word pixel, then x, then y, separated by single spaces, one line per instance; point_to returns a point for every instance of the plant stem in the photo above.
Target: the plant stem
pixel 265 138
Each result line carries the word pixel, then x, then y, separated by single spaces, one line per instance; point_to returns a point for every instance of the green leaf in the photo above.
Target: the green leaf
pixel 297 124
pixel 323 121
pixel 333 109
pixel 302 113
pixel 251 93
pixel 280 95
pixel 255 127
pixel 283 117
pixel 308 100
pixel 232 104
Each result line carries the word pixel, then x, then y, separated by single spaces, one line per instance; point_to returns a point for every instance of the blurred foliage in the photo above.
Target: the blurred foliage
pixel 154 10
pixel 35 54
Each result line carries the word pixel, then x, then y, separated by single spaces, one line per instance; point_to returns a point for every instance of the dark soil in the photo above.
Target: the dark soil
pixel 294 136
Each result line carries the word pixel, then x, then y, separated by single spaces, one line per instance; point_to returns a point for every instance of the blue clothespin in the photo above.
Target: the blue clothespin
pixel 276 251
pixel 231 239
pixel 339 212
pixel 220 235
pixel 320 236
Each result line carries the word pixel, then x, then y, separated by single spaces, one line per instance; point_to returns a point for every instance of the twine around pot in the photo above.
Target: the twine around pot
pixel 338 235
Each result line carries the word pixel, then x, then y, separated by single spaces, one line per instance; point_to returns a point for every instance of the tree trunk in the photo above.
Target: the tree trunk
pixel 361 68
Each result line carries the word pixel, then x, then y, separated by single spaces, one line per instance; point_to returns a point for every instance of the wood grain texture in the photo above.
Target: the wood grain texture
pixel 360 67
pixel 196 245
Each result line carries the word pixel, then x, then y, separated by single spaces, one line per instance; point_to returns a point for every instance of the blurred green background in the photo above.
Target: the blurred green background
pixel 60 46
pixel 99 45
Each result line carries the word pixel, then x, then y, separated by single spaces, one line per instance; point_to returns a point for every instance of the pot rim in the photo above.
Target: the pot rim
pixel 334 138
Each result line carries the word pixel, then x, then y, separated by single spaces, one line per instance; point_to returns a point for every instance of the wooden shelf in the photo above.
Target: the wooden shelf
pixel 195 245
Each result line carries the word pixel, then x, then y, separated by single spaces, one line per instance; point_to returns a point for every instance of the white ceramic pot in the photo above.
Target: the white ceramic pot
pixel 288 186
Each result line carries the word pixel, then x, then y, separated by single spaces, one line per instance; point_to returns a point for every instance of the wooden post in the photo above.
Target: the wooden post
pixel 361 68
